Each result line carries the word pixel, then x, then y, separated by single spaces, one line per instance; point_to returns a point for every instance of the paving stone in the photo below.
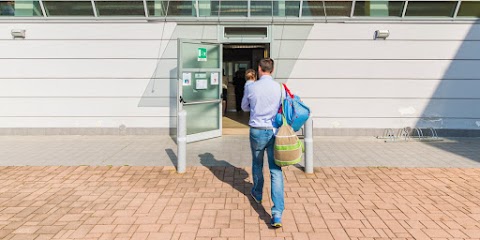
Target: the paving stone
pixel 212 202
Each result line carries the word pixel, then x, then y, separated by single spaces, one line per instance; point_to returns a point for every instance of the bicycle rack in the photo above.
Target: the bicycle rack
pixel 406 134
pixel 388 133
pixel 419 135
pixel 434 133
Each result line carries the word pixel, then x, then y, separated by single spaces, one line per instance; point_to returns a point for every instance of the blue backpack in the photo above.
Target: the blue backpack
pixel 296 112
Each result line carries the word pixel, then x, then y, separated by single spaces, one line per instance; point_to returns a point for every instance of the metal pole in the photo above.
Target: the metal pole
pixel 309 146
pixel 182 142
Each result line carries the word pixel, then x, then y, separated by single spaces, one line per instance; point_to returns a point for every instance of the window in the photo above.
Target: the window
pixel 20 8
pixel 291 9
pixel 431 9
pixel 332 8
pixel 378 8
pixel 338 8
pixel 313 8
pixel 469 9
pixel 230 8
pixel 158 8
pixel 262 8
pixel 68 8
pixel 120 8
pixel 277 8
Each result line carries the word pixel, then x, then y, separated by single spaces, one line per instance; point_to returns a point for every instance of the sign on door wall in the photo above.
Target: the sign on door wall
pixel 202 55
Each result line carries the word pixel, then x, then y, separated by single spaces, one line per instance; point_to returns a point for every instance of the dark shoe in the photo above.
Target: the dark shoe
pixel 276 222
pixel 258 200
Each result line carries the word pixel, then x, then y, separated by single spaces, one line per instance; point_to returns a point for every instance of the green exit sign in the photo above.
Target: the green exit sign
pixel 202 55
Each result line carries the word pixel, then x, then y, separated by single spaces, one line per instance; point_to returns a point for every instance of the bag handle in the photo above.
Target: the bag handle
pixel 288 90
pixel 282 106
pixel 280 109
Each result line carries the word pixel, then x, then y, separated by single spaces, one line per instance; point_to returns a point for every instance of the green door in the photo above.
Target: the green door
pixel 199 88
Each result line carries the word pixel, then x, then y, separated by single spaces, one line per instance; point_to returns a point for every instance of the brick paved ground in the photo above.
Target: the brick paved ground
pixel 210 203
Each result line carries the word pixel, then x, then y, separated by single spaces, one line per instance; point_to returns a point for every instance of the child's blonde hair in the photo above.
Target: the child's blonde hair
pixel 250 74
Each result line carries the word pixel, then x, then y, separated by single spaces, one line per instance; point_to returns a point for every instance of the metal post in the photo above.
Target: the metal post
pixel 182 142
pixel 309 146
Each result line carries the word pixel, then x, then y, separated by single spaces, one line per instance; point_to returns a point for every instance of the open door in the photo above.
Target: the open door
pixel 199 88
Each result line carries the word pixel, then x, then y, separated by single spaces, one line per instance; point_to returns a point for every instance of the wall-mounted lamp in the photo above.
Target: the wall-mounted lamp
pixel 381 34
pixel 18 33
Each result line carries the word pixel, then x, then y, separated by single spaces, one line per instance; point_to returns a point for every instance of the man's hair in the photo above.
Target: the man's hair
pixel 266 64
pixel 250 74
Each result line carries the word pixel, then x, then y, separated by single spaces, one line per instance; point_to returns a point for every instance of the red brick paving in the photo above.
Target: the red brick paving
pixel 210 203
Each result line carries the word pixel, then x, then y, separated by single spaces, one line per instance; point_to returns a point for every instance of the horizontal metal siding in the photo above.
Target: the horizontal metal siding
pixel 89 75
pixel 423 74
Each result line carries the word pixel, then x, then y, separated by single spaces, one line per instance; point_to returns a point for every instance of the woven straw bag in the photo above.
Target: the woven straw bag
pixel 287 148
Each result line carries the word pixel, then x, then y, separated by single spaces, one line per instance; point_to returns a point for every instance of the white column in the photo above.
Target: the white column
pixel 182 142
pixel 309 146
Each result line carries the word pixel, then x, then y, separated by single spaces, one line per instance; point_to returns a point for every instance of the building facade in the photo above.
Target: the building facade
pixel 110 67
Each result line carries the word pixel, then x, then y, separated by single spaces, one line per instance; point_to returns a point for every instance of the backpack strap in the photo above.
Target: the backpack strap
pixel 282 98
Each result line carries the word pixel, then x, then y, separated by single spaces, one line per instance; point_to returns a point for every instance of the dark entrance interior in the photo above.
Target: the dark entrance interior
pixel 236 59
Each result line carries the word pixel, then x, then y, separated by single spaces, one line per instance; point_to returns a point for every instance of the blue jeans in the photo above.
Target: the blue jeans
pixel 261 140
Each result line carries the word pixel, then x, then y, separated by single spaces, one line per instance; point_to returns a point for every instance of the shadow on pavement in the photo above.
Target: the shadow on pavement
pixel 467 148
pixel 173 157
pixel 452 108
pixel 235 177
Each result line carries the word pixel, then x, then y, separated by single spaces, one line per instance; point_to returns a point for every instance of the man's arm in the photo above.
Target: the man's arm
pixel 245 102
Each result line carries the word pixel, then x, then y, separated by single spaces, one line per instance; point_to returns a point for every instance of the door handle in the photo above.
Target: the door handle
pixel 182 100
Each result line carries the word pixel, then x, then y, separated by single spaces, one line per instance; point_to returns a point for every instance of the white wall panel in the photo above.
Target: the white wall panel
pixel 87 87
pixel 87 122
pixel 81 107
pixel 348 79
pixel 88 68
pixel 369 49
pixel 384 88
pixel 394 108
pixel 196 31
pixel 93 30
pixel 398 31
pixel 406 69
pixel 89 49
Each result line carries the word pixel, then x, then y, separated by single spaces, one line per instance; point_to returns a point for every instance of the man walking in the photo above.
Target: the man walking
pixel 262 99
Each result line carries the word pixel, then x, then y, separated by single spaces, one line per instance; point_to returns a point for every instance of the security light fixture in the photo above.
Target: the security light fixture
pixel 18 33
pixel 381 34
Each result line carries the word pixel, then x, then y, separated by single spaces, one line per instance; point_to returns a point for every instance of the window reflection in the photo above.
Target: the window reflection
pixel 331 8
pixel 70 8
pixel 7 8
pixel 313 8
pixel 120 8
pixel 379 8
pixel 469 9
pixel 262 8
pixel 23 8
pixel 338 8
pixel 160 8
pixel 431 9
pixel 240 8
pixel 229 8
